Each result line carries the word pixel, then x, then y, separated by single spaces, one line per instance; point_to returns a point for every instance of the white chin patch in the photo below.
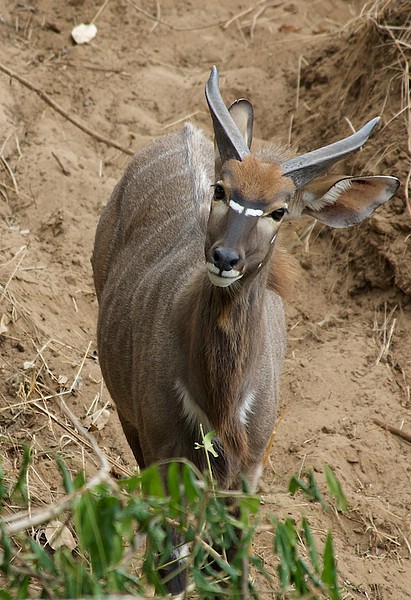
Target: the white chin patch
pixel 224 279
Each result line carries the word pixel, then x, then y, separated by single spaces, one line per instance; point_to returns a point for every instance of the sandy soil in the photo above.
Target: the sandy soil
pixel 310 73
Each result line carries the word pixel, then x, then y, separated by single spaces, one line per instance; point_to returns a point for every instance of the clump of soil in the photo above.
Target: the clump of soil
pixel 364 73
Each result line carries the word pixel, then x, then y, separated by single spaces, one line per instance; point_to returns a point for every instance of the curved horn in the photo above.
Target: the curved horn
pixel 230 142
pixel 306 167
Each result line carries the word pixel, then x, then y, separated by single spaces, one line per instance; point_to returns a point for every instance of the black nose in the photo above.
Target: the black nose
pixel 225 259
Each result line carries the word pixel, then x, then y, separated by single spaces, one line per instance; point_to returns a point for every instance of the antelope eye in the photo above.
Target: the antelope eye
pixel 219 192
pixel 278 214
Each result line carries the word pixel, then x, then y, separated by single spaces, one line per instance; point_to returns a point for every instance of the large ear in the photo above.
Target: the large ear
pixel 343 202
pixel 242 113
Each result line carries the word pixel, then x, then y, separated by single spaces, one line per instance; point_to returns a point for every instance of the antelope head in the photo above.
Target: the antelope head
pixel 252 197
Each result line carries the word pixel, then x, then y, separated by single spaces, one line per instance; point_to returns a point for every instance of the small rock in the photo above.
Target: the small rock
pixel 70 279
pixel 84 33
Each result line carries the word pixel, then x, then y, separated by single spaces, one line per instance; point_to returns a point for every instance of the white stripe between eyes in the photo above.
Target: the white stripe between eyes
pixel 249 212
pixel 237 207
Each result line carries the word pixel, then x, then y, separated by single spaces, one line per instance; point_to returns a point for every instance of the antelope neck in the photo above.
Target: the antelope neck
pixel 220 334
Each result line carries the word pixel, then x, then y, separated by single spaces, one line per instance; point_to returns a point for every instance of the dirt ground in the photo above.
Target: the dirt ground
pixel 313 70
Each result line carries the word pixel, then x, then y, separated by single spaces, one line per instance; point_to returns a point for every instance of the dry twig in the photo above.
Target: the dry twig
pixel 60 164
pixel 61 111
pixel 242 13
pixel 394 430
pixel 100 10
pixel 159 21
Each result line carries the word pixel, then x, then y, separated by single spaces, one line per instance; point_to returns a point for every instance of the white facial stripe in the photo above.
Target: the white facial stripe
pixel 237 207
pixel 273 239
pixel 248 212
pixel 251 212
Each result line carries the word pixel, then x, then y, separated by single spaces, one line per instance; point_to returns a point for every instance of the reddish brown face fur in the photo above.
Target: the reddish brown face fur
pixel 249 203
pixel 257 182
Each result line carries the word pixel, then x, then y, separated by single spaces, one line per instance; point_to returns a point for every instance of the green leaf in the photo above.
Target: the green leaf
pixel 312 550
pixel 173 481
pixel 315 490
pixel 138 510
pixel 79 480
pixel 76 577
pixel 205 587
pixel 7 557
pixel 298 484
pixel 259 565
pixel 310 488
pixel 3 488
pixel 67 479
pixel 335 489
pixel 284 546
pixel 207 444
pixel 20 487
pixel 329 574
pixel 250 504
pixel 129 578
pixel 130 484
pixel 4 594
pixel 299 578
pixel 23 589
pixel 151 482
pixel 191 486
pixel 44 560
pixel 97 518
pixel 88 528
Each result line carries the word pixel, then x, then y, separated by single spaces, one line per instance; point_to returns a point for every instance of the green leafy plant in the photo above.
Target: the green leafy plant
pixel 110 522
pixel 310 488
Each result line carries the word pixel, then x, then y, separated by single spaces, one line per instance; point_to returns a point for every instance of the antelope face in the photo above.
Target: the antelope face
pixel 249 203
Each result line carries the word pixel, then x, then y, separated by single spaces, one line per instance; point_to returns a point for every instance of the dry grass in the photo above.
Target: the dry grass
pixel 371 57
pixel 384 333
pixel 34 412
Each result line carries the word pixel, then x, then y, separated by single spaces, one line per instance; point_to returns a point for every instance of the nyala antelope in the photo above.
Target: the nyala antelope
pixel 190 274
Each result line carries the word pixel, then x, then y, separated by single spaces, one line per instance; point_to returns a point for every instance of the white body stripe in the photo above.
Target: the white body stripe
pixel 246 409
pixel 253 480
pixel 192 412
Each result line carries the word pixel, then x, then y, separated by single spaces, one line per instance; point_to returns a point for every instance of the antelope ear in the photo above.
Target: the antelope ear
pixel 343 202
pixel 242 113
